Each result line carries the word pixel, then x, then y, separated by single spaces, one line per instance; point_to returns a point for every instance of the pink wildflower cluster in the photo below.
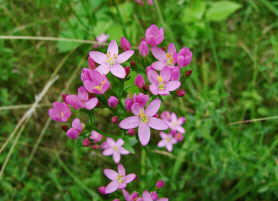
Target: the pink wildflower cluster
pixel 103 87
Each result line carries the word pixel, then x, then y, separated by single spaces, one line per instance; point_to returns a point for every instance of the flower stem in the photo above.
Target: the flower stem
pixel 143 161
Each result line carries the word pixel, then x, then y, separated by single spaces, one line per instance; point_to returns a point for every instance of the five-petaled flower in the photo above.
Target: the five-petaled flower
pixel 144 119
pixel 111 61
pixel 119 179
pixel 115 149
pixel 176 123
pixel 167 140
pixel 60 112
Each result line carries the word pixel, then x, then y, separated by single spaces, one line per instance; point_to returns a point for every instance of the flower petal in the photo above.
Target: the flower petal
pixel 108 152
pixel 158 65
pixel 82 93
pixel 154 89
pixel 135 108
pixel 153 107
pixel 130 177
pixel 144 134
pixel 157 124
pixel 111 174
pixel 147 196
pixel 121 169
pixel 162 143
pixel 103 69
pixel 113 48
pixel 172 49
pixel 119 142
pixel 123 151
pixel 129 122
pixel 118 71
pixel 163 199
pixel 98 57
pixel 173 85
pixel 166 74
pixel 125 56
pixel 76 123
pixel 111 187
pixel 158 53
pixel 91 103
pixel 116 157
pixel 152 76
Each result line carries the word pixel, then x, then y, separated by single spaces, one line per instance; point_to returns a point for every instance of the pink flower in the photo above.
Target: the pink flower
pixel 161 84
pixel 60 112
pixel 91 63
pixel 180 92
pixel 154 195
pixel 96 136
pixel 115 149
pixel 144 119
pixel 167 141
pixel 86 142
pixel 101 190
pixel 94 82
pixel 164 59
pixel 76 129
pixel 119 179
pixel 115 119
pixel 101 39
pixel 165 115
pixel 150 2
pixel 111 61
pixel 82 100
pixel 131 197
pixel 113 101
pixel 159 184
pixel 125 44
pixel 154 36
pixel 141 99
pixel 148 197
pixel 176 123
pixel 178 136
pixel 139 81
pixel 184 57
pixel 175 74
pixel 128 104
pixel 143 48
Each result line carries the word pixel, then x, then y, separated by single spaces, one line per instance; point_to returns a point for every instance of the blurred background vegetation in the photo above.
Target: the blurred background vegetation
pixel 235 49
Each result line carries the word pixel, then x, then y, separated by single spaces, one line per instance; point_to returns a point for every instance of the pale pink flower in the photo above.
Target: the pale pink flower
pixel 154 36
pixel 101 39
pixel 81 100
pixel 112 60
pixel 161 84
pixel 115 149
pixel 144 119
pixel 119 179
pixel 60 112
pixel 148 197
pixel 184 57
pixel 96 136
pixel 143 48
pixel 164 59
pixel 165 115
pixel 75 130
pixel 176 123
pixel 167 141
pixel 125 44
pixel 131 197
pixel 94 82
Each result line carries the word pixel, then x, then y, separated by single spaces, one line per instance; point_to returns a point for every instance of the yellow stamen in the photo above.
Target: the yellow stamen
pixel 116 148
pixel 99 87
pixel 142 116
pixel 161 86
pixel 62 115
pixel 170 59
pixel 159 78
pixel 168 139
pixel 120 178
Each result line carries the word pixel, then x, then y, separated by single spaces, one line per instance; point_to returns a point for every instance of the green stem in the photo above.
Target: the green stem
pixel 143 161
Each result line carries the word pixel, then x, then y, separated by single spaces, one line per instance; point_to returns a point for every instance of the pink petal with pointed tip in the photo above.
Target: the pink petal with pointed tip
pixel 121 169
pixel 135 108
pixel 108 152
pixel 82 93
pixel 154 89
pixel 113 48
pixel 157 124
pixel 162 143
pixel 158 53
pixel 111 174
pixel 147 196
pixel 118 71
pixel 152 76
pixel 98 57
pixel 130 177
pixel 166 74
pixel 92 103
pixel 103 69
pixel 129 122
pixel 153 107
pixel 158 65
pixel 116 157
pixel 123 151
pixel 111 187
pixel 123 57
pixel 173 85
pixel 144 133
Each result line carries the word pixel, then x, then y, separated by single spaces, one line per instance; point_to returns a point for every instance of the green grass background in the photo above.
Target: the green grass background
pixel 235 49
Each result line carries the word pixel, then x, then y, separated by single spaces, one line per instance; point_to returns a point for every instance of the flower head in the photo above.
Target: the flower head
pixel 101 39
pixel 119 179
pixel 144 119
pixel 94 82
pixel 159 184
pixel 81 100
pixel 176 123
pixel 139 81
pixel 75 130
pixel 60 112
pixel 131 197
pixel 184 57
pixel 161 84
pixel 148 197
pixel 154 36
pixel 125 44
pixel 111 61
pixel 167 140
pixel 143 48
pixel 164 59
pixel 115 149
pixel 113 101
pixel 96 136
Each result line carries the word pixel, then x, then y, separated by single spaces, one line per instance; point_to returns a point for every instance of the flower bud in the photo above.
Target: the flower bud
pixel 154 36
pixel 101 190
pixel 96 136
pixel 184 57
pixel 139 81
pixel 115 119
pixel 95 146
pixel 128 104
pixel 113 101
pixel 156 115
pixel 86 142
pixel 159 184
pixel 180 92
pixel 64 97
pixel 65 128
pixel 116 200
pixel 127 70
pixel 188 73
pixel 131 131
pixel 125 44
pixel 133 63
pixel 143 48
pixel 91 63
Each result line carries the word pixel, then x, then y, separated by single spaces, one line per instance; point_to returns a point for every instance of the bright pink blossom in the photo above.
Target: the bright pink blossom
pixel 101 190
pixel 139 81
pixel 86 142
pixel 112 60
pixel 96 136
pixel 75 130
pixel 180 92
pixel 113 101
pixel 143 48
pixel 141 99
pixel 159 183
pixel 154 195
pixel 148 197
pixel 154 36
pixel 176 123
pixel 115 149
pixel 94 82
pixel 184 57
pixel 161 84
pixel 125 44
pixel 59 112
pixel 131 197
pixel 128 104
pixel 164 59
pixel 167 140
pixel 81 100
pixel 119 179
pixel 91 63
pixel 144 119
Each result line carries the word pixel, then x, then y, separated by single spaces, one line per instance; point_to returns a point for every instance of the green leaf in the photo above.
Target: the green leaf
pixel 219 11
pixel 194 12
